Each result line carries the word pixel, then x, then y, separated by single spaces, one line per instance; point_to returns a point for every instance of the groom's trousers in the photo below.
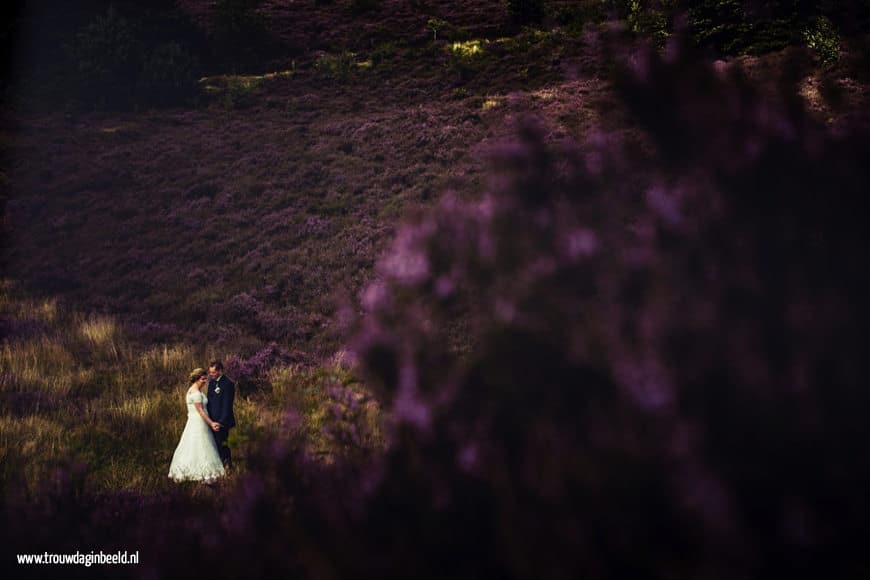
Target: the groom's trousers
pixel 220 438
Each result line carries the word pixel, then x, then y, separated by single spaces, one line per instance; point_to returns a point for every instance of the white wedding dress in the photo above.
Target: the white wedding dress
pixel 196 457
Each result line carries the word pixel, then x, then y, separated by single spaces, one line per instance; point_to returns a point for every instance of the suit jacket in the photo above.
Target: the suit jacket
pixel 220 404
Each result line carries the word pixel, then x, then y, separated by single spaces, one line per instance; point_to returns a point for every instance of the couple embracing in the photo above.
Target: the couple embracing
pixel 202 453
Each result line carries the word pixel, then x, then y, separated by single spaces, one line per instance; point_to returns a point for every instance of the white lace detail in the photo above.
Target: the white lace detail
pixel 196 457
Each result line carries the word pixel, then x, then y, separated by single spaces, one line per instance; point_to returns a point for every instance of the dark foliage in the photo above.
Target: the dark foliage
pixel 525 11
pixel 363 6
pixel 735 26
pixel 169 75
pixel 732 27
pixel 240 36
pixel 103 54
pixel 121 55
pixel 108 58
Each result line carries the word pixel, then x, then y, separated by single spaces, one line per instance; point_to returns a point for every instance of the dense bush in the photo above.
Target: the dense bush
pixel 822 37
pixel 468 58
pixel 651 20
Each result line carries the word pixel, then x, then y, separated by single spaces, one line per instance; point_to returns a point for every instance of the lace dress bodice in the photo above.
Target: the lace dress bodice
pixel 195 396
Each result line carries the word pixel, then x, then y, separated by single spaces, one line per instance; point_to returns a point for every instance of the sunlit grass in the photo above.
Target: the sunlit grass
pixel 40 363
pixel 172 358
pixel 218 83
pixel 527 39
pixel 132 407
pixel 307 390
pixel 29 435
pixel 99 330
pixel 283 379
pixel 545 94
pixel 82 390
pixel 29 446
pixel 468 48
pixel 490 103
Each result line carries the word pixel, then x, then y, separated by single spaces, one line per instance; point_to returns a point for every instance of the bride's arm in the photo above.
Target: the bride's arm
pixel 204 414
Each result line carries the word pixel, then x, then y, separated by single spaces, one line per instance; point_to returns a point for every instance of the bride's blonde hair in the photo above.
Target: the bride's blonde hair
pixel 195 374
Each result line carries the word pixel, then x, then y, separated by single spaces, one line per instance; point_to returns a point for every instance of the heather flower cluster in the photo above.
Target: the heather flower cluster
pixel 665 336
pixel 350 424
pixel 253 371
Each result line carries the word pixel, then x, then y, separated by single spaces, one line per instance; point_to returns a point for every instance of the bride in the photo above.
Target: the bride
pixel 196 457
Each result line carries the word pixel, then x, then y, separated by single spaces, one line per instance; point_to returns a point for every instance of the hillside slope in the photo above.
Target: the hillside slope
pixel 246 220
pixel 250 217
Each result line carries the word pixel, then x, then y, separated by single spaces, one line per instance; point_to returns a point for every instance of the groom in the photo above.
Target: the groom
pixel 221 391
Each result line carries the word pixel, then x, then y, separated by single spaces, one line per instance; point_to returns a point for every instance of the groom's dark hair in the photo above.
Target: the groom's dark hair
pixel 218 365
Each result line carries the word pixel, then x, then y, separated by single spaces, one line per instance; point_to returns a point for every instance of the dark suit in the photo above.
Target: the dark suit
pixel 221 393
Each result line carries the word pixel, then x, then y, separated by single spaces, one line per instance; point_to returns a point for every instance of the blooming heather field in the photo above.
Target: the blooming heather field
pixel 509 289
pixel 244 222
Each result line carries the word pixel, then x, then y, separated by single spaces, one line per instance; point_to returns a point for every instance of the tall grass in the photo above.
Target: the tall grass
pixel 77 387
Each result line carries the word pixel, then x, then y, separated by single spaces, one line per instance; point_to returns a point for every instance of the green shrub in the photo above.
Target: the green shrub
pixel 467 58
pixel 650 21
pixel 822 37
